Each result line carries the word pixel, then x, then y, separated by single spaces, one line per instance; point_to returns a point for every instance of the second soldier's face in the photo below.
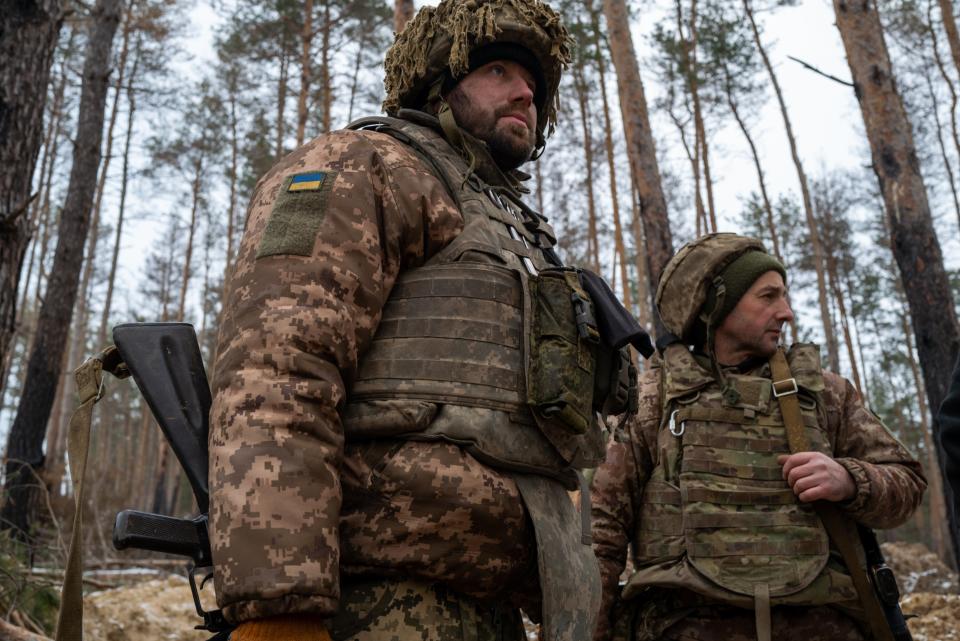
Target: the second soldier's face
pixel 495 104
pixel 755 325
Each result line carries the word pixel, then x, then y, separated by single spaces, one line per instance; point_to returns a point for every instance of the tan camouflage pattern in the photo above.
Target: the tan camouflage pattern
pixel 889 482
pixel 729 624
pixel 405 610
pixel 293 330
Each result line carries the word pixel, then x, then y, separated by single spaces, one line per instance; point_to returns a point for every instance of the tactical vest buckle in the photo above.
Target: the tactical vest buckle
pixel 586 323
pixel 786 387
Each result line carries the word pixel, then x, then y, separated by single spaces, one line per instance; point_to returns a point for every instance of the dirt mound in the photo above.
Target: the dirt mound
pixel 938 616
pixel 919 570
pixel 151 611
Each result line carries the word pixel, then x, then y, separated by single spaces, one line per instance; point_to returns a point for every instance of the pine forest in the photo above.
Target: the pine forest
pixel 133 132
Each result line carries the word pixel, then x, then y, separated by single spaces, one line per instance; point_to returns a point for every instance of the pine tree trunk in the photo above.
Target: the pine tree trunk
pixel 948 81
pixel 611 162
pixel 62 408
pixel 593 244
pixel 306 66
pixel 28 37
pixel 701 224
pixel 325 61
pixel 233 173
pixel 640 147
pixel 816 245
pixel 403 10
pixel 943 146
pixel 703 150
pixel 643 285
pixel 25 444
pixel 191 236
pixel 281 103
pixel 913 240
pixel 950 26
pixel 39 217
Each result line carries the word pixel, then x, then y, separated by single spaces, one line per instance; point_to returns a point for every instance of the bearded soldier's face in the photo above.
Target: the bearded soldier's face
pixel 495 104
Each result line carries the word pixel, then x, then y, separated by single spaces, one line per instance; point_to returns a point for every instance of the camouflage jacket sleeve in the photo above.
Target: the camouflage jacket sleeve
pixel 890 482
pixel 328 231
pixel 615 495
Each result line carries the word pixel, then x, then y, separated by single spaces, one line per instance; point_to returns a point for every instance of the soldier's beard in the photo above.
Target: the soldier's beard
pixel 511 144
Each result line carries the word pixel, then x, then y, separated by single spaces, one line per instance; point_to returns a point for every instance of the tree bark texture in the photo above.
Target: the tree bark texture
pixel 950 26
pixel 640 147
pixel 611 162
pixel 306 70
pixel 593 244
pixel 28 37
pixel 24 447
pixel 913 240
pixel 403 10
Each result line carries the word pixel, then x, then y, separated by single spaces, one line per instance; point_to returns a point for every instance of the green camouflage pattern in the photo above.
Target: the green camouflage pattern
pixel 889 484
pixel 403 610
pixel 687 277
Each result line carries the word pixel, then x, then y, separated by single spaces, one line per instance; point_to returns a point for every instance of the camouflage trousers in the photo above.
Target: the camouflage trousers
pixel 405 610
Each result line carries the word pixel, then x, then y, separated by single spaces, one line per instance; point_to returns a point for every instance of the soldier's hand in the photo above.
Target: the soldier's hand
pixel 814 476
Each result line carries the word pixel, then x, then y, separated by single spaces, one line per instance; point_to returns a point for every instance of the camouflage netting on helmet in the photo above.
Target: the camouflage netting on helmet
pixel 442 37
pixel 687 278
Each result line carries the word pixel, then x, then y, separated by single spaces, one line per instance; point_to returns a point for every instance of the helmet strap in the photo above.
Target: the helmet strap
pixel 448 123
pixel 730 394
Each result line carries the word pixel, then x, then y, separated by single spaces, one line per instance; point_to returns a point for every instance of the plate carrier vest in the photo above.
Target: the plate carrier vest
pixel 716 517
pixel 452 359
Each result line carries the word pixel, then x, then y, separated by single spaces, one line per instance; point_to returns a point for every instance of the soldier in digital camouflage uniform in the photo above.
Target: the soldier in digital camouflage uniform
pixel 703 488
pixel 388 458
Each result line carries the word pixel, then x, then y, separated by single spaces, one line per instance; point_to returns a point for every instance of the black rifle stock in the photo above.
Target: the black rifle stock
pixel 884 584
pixel 164 360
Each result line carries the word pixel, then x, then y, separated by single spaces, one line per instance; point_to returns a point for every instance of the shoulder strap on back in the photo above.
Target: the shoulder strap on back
pixel 412 135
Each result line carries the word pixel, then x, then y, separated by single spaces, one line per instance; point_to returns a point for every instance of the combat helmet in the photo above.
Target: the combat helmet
pixel 437 44
pixel 689 277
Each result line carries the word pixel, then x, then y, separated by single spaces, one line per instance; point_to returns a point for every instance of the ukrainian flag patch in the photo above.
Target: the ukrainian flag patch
pixel 312 181
pixel 298 211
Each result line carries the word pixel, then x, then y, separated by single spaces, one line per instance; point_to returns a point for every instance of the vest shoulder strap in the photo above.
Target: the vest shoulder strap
pixel 839 526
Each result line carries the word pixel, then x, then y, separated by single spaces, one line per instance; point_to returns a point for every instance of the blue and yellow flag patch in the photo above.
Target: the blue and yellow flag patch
pixel 312 181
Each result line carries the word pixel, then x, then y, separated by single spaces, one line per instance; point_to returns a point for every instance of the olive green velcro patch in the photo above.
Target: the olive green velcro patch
pixel 296 215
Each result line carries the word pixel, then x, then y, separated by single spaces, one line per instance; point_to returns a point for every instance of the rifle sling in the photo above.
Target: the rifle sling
pixel 89 377
pixel 840 527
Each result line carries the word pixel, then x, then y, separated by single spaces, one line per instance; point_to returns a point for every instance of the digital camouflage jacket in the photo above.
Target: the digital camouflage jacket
pixel 292 507
pixel 889 486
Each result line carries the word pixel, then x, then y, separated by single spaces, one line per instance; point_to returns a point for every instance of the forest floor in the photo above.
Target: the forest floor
pixel 162 609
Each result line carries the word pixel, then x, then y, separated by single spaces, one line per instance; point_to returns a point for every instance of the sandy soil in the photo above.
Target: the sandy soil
pixel 930 591
pixel 157 610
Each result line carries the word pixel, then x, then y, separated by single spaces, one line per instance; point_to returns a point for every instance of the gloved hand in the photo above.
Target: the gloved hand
pixel 288 627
